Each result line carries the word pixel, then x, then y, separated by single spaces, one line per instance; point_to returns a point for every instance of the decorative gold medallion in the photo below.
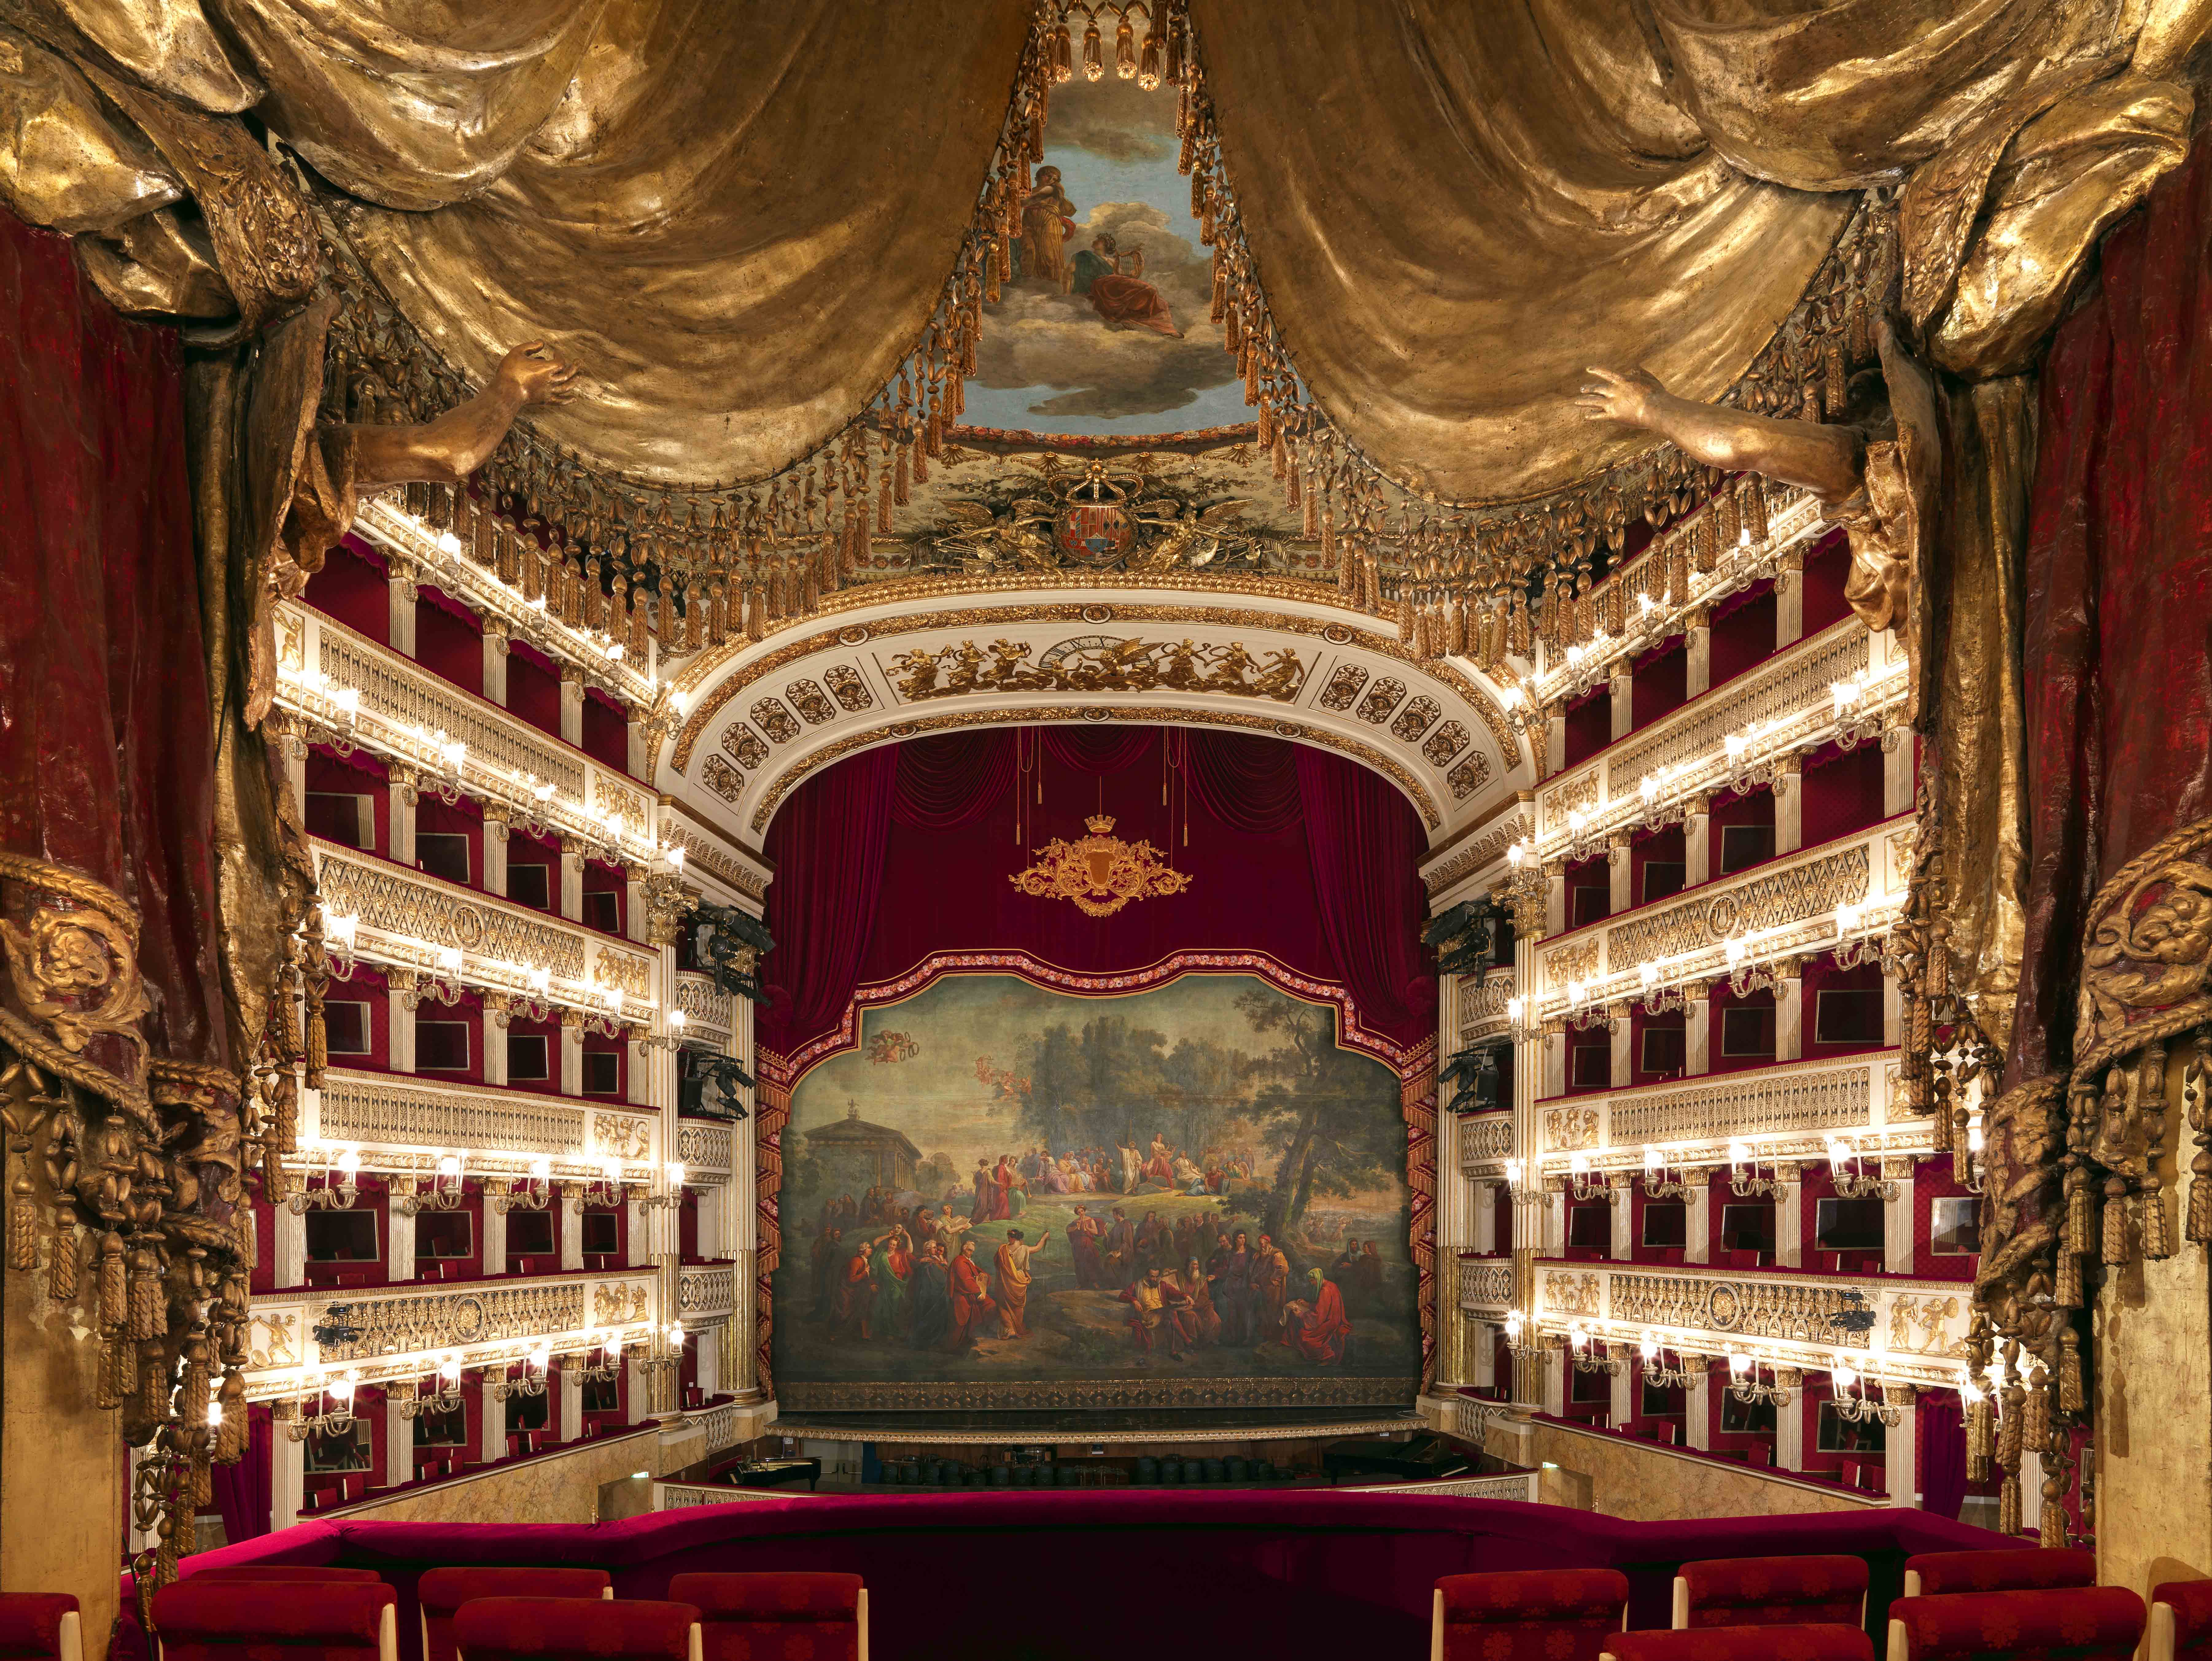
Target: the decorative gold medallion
pixel 1101 873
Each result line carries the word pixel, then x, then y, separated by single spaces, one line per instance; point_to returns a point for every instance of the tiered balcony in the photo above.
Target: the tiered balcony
pixel 1843 684
pixel 388 914
pixel 1840 893
pixel 347 689
pixel 1789 1110
pixel 402 1333
pixel 1904 1331
pixel 402 1124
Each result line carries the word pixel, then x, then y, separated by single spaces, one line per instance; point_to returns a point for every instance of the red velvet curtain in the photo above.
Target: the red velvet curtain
pixel 1248 783
pixel 828 847
pixel 948 783
pixel 2118 640
pixel 1943 1431
pixel 1296 854
pixel 243 1492
pixel 105 734
pixel 1365 846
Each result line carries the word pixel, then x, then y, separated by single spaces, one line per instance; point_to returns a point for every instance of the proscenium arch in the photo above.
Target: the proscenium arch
pixel 763 716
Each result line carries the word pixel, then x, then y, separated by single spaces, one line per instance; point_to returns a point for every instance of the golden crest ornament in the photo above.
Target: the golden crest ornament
pixel 1100 873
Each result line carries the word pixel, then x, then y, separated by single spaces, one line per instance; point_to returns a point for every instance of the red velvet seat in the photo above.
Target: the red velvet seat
pixel 2080 1623
pixel 1772 1592
pixel 792 1616
pixel 206 1618
pixel 575 1629
pixel 1820 1641
pixel 39 1626
pixel 2180 1621
pixel 1531 1615
pixel 441 1592
pixel 1940 1573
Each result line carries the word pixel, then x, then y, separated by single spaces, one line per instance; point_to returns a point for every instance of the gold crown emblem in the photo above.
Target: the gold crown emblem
pixel 1101 823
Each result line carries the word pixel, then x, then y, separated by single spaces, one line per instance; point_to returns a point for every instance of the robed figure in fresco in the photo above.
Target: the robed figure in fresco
pixel 1114 283
pixel 1048 225
pixel 1317 1330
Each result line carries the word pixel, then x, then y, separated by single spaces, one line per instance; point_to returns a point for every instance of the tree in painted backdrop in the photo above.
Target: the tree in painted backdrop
pixel 1117 1082
pixel 1317 1112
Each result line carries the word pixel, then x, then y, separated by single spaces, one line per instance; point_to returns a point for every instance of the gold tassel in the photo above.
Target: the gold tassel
pixel 2199 1227
pixel 2009 1425
pixel 1310 527
pixel 62 1266
pixel 2066 1292
pixel 898 483
pixel 2079 1238
pixel 148 1312
pixel 1834 379
pixel 883 507
pixel 2035 1412
pixel 1125 49
pixel 1219 310
pixel 114 1304
pixel 23 1227
pixel 1977 1441
pixel 1752 499
pixel 1404 620
pixel 2008 1505
pixel 2116 1222
pixel 1265 433
pixel 921 461
pixel 1283 461
pixel 2154 1245
pixel 2072 1399
pixel 2053 1522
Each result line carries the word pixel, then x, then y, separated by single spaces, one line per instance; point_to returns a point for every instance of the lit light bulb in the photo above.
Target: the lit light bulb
pixel 541 1169
pixel 677 1019
pixel 1516 1007
pixel 349 1163
pixel 448 543
pixel 449 1165
pixel 675 1173
pixel 1649 974
pixel 1647 1347
pixel 1653 1162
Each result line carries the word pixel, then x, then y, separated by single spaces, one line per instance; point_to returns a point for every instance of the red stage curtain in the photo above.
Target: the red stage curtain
pixel 948 782
pixel 243 1491
pixel 1942 1430
pixel 2119 590
pixel 1248 783
pixel 106 739
pixel 828 847
pixel 1299 855
pixel 1366 845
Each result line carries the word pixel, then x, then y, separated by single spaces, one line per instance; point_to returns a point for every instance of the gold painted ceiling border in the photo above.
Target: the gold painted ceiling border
pixel 1335 633
pixel 1367 756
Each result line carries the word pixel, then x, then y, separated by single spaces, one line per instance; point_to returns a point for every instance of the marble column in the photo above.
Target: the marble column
pixel 1623 687
pixel 1789 600
pixel 1698 1406
pixel 1622 1409
pixel 398 1435
pixel 1481 1341
pixel 400 600
pixel 494 1254
pixel 1486 1217
pixel 638 1226
pixel 1900 1458
pixel 571 1052
pixel 572 705
pixel 401 997
pixel 1898 757
pixel 498 1008
pixel 1555 1059
pixel 1697 1218
pixel 491 1438
pixel 495 660
pixel 571 1226
pixel 1897 1229
pixel 571 882
pixel 290 1267
pixel 1789 1010
pixel 400 827
pixel 1789 1217
pixel 1790 1424
pixel 399 1231
pixel 1620 896
pixel 1698 670
pixel 287 1476
pixel 495 849
pixel 1696 841
pixel 1624 1217
pixel 1696 1029
pixel 1790 807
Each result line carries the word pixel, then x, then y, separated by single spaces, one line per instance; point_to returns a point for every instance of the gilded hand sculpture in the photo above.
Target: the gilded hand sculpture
pixel 1875 482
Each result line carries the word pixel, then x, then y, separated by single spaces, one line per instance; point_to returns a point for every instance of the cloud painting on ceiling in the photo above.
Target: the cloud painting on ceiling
pixel 1104 329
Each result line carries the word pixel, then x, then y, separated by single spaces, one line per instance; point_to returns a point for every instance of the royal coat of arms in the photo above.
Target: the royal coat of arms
pixel 1101 873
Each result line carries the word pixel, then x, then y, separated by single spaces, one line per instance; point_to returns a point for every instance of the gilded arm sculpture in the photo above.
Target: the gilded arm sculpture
pixel 1878 487
pixel 447 450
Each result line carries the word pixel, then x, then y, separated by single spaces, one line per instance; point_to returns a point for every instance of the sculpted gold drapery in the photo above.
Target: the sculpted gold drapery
pixel 736 220
pixel 1456 208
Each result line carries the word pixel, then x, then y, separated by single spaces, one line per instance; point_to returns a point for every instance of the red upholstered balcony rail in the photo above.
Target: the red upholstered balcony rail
pixel 1173 1576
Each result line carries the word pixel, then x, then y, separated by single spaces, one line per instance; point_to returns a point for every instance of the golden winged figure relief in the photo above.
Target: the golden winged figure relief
pixel 1188 536
pixel 1008 539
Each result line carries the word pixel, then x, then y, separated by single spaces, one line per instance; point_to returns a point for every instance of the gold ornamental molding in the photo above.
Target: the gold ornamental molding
pixel 1100 873
pixel 1065 714
pixel 1077 613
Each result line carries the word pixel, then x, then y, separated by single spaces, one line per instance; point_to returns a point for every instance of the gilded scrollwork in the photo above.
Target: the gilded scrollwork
pixel 1096 664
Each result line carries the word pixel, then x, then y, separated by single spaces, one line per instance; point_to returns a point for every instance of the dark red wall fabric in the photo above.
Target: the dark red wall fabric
pixel 2119 642
pixel 906 852
pixel 104 727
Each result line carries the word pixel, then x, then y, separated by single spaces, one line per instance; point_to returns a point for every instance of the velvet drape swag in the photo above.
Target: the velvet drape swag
pixel 1297 854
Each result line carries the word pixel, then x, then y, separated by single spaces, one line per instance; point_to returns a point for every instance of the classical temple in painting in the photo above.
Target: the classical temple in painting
pixel 1062 826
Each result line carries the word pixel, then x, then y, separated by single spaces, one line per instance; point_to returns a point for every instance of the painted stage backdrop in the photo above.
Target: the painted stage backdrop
pixel 1009 1197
